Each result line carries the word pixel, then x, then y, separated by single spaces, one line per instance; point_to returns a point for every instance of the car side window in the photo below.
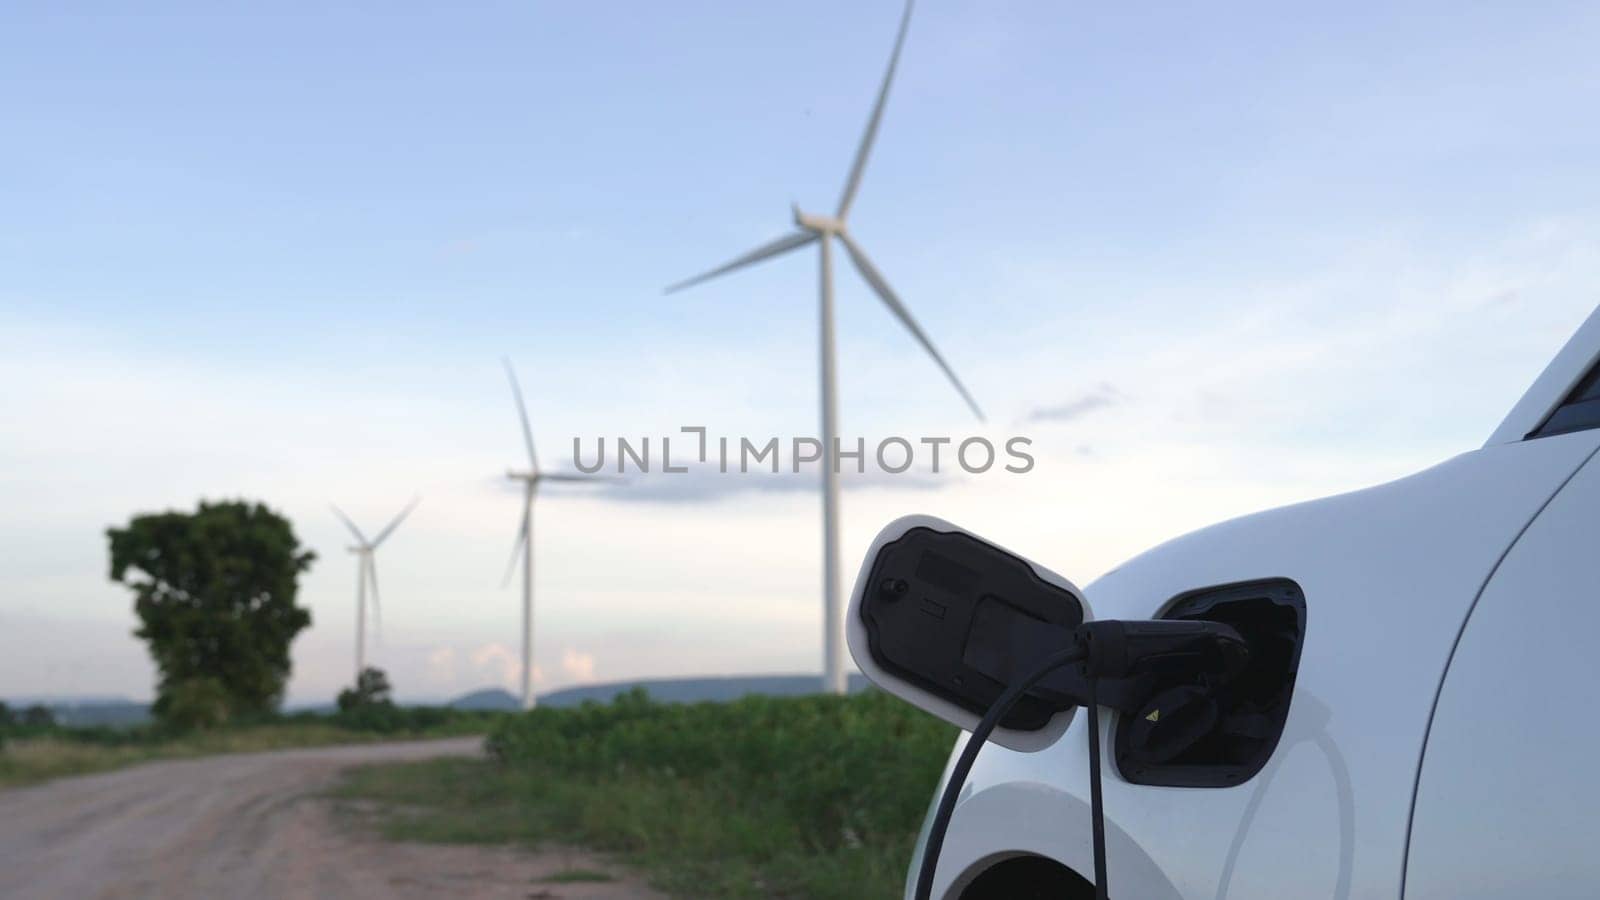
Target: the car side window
pixel 1579 411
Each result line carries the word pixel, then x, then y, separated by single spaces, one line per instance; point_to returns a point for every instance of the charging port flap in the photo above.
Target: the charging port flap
pixel 946 620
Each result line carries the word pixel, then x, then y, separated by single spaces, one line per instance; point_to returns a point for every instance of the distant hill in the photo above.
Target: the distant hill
pixel 113 712
pixel 666 690
pixel 694 690
pixel 116 712
pixel 488 698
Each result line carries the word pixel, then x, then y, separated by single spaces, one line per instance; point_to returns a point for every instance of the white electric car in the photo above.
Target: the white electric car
pixel 1418 720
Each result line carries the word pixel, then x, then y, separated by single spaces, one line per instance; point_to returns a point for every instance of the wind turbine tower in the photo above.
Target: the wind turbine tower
pixel 367 577
pixel 822 230
pixel 530 479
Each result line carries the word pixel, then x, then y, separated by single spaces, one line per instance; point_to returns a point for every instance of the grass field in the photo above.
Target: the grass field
pixel 35 755
pixel 799 797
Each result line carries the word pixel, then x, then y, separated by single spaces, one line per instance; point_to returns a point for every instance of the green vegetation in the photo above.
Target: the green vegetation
pixel 34 718
pixel 371 689
pixel 215 594
pixel 39 752
pixel 817 797
pixel 576 876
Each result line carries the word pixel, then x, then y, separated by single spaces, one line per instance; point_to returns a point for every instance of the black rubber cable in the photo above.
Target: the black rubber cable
pixel 969 755
pixel 1097 812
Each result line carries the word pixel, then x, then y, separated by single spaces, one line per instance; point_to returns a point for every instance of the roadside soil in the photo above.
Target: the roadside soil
pixel 256 825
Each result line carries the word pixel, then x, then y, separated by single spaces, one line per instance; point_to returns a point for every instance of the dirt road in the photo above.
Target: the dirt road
pixel 252 825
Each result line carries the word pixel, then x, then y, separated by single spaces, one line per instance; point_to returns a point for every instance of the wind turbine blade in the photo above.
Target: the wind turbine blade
pixel 765 251
pixel 563 476
pixel 360 538
pixel 887 295
pixel 389 529
pixel 871 134
pixel 522 411
pixel 516 548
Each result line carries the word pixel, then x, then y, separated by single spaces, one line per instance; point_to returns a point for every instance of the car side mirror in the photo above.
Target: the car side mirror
pixel 943 619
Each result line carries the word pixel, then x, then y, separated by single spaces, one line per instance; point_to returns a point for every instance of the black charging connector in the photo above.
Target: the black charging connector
pixel 1128 649
pixel 1112 652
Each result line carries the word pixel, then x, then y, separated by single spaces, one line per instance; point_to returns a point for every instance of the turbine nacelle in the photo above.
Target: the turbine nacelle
pixel 823 225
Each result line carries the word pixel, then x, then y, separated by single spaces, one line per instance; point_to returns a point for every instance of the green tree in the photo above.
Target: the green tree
pixel 196 703
pixel 372 689
pixel 6 718
pixel 37 716
pixel 215 594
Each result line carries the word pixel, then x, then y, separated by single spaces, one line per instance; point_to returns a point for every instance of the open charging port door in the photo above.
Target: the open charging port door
pixel 943 620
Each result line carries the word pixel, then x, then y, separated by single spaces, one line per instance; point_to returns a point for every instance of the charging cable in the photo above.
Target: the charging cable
pixel 1107 649
pixel 969 755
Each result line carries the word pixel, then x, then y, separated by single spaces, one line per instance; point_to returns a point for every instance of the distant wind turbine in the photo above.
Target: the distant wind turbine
pixel 523 548
pixel 367 574
pixel 821 230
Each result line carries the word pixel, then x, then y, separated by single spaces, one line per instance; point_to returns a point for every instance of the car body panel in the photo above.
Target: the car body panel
pixel 1389 574
pixel 1507 799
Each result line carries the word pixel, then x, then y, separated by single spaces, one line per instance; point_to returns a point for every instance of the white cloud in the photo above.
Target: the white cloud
pixel 577 666
pixel 495 663
pixel 442 666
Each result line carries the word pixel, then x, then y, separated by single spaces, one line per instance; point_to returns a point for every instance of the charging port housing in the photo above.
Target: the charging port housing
pixel 1250 710
pixel 961 618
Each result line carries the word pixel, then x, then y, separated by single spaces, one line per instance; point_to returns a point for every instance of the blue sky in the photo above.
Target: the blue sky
pixel 279 254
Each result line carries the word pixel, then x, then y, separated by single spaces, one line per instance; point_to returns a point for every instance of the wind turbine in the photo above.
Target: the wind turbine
pixel 822 230
pixel 531 479
pixel 367 574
